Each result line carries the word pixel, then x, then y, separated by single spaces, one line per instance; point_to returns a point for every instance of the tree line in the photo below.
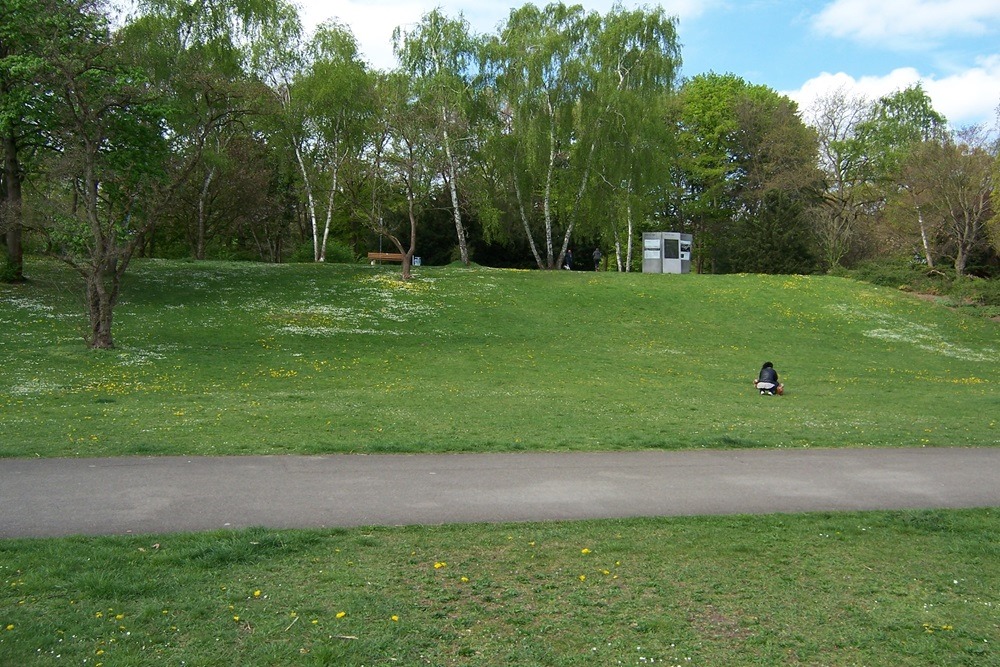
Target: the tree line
pixel 221 129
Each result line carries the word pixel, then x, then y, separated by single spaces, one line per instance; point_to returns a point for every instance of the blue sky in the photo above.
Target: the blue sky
pixel 803 48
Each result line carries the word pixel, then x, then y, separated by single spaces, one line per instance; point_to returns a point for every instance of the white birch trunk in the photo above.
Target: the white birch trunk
pixel 463 246
pixel 310 203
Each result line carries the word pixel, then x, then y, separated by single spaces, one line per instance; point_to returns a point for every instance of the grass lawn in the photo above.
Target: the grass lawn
pixel 229 359
pixel 221 359
pixel 894 589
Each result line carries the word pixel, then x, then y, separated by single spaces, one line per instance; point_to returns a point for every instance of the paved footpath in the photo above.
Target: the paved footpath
pixel 52 497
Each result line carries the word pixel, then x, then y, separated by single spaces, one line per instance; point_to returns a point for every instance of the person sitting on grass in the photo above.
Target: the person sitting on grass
pixel 767 381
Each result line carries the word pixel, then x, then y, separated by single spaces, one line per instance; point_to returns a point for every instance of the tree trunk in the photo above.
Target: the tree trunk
pixel 463 245
pixel 924 239
pixel 12 177
pixel 334 180
pixel 527 227
pixel 310 205
pixel 550 260
pixel 628 240
pixel 100 304
pixel 199 252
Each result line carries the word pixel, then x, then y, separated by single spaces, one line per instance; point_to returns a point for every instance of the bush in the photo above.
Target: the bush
pixel 336 253
pixel 977 291
pixel 8 273
pixel 978 294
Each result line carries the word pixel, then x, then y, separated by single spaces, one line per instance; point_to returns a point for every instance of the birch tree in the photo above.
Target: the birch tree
pixel 330 107
pixel 439 55
pixel 634 65
pixel 537 70
pixel 954 180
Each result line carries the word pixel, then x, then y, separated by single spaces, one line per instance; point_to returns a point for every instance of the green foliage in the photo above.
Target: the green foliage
pixel 337 252
pixel 745 172
pixel 8 272
pixel 976 295
pixel 897 123
pixel 575 97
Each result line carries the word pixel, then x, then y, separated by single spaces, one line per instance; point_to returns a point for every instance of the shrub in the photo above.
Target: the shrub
pixel 336 253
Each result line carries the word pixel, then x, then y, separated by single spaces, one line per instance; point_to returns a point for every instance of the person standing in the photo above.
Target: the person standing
pixel 568 260
pixel 597 259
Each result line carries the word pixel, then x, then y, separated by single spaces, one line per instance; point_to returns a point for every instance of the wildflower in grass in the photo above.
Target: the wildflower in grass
pixel 256 594
pixel 583 577
pixel 585 551
pixel 236 618
pixel 439 565
pixel 465 580
pixel 394 618
pixel 10 627
pixel 341 614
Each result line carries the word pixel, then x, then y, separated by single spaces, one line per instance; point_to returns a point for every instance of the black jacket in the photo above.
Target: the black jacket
pixel 768 374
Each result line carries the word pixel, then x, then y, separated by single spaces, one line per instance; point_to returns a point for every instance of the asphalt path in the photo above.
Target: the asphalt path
pixel 58 497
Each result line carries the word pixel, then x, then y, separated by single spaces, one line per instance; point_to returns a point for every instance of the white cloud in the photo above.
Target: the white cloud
pixel 965 98
pixel 897 22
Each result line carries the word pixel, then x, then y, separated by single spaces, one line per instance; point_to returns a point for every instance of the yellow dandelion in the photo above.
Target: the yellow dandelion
pixel 465 580
pixel 236 618
pixel 99 614
pixel 583 577
pixel 585 551
pixel 395 619
pixel 256 594
pixel 10 627
pixel 439 565
pixel 341 614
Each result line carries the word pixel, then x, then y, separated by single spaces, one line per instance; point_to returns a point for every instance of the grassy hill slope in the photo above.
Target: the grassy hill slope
pixel 218 359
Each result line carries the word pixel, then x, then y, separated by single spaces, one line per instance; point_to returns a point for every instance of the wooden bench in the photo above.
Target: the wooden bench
pixel 385 257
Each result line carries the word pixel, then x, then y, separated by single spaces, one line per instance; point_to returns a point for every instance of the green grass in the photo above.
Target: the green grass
pixel 894 589
pixel 220 359
pixel 228 359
